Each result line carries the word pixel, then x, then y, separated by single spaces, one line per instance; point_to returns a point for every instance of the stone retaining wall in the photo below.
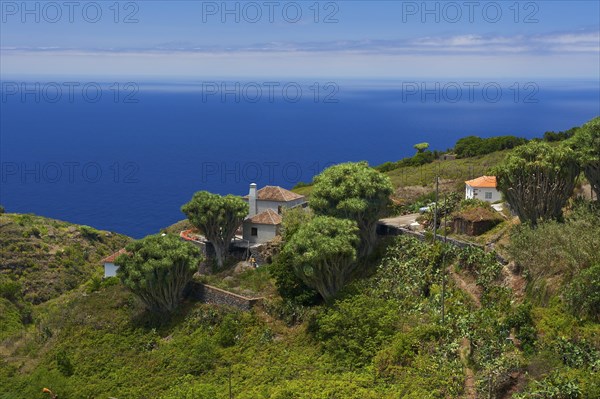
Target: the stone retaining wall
pixel 217 296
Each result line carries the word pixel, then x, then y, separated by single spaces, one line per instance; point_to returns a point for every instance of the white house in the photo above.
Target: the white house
pixel 262 227
pixel 483 188
pixel 264 217
pixel 110 268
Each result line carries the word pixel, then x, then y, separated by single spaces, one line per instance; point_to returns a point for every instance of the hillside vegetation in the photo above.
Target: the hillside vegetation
pixel 46 257
pixel 383 337
pixel 409 319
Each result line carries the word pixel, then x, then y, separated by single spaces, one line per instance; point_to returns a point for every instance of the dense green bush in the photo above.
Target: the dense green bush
pixel 354 329
pixel 471 146
pixel 9 288
pixel 552 136
pixel 289 285
pixel 555 386
pixel 406 346
pixel 90 233
pixel 569 248
pixel 188 387
pixel 583 294
pixel 10 319
pixel 483 265
pixel 586 143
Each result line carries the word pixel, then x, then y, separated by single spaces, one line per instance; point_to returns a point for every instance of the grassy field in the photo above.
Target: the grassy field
pixel 457 170
pixel 452 174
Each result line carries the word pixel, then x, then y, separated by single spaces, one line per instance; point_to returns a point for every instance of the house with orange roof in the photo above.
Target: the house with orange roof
pixel 483 188
pixel 265 208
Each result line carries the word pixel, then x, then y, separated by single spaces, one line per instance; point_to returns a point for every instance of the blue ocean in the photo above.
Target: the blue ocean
pixel 124 156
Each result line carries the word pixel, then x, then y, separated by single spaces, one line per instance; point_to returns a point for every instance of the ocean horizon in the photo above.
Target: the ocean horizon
pixel 124 156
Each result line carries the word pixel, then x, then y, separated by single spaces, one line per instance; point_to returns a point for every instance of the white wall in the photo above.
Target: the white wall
pixel 480 193
pixel 469 192
pixel 266 232
pixel 110 270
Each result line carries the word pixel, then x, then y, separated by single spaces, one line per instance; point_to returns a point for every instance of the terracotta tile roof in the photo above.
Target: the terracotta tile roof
pixel 483 182
pixel 276 193
pixel 267 217
pixel 113 257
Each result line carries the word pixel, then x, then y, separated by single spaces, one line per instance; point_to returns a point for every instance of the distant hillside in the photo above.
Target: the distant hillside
pixel 42 258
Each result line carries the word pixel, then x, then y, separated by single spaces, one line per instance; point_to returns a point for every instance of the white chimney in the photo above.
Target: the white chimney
pixel 252 200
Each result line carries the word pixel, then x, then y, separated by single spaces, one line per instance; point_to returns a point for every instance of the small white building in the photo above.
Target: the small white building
pixel 483 188
pixel 110 268
pixel 264 217
pixel 262 227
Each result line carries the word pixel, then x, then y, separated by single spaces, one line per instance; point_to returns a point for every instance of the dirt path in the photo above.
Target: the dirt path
pixel 513 280
pixel 465 346
pixel 465 350
pixel 470 288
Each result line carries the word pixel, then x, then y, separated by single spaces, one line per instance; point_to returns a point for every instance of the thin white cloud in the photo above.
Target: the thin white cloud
pixel 559 42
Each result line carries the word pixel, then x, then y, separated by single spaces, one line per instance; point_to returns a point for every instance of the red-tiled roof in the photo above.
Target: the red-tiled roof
pixel 113 257
pixel 276 193
pixel 267 217
pixel 191 235
pixel 483 182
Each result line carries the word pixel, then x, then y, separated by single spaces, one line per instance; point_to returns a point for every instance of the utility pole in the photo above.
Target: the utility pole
pixel 435 209
pixel 444 257
pixel 230 393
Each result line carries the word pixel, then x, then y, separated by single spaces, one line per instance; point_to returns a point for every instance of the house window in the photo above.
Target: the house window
pixel 253 231
pixel 279 209
pixel 488 195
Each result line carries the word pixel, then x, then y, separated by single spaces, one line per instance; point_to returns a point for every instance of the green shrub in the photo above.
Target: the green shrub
pixel 568 249
pixel 474 146
pixel 188 387
pixel 405 346
pixel 521 320
pixel 10 319
pixel 289 285
pixel 578 353
pixel 583 294
pixel 32 232
pixel 90 233
pixel 289 311
pixel 555 386
pixel 64 364
pixel 10 289
pixel 354 329
pixel 229 331
pixel 483 265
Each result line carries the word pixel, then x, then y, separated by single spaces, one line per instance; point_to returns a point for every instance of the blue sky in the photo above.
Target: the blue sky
pixel 302 39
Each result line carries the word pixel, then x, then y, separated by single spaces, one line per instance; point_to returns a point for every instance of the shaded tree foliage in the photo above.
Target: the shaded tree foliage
pixel 217 217
pixel 537 180
pixel 586 143
pixel 353 191
pixel 157 269
pixel 560 136
pixel 289 285
pixel 471 146
pixel 293 219
pixel 323 253
pixel 583 294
